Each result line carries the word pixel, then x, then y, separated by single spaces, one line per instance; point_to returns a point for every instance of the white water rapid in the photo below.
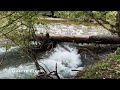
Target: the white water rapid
pixel 66 62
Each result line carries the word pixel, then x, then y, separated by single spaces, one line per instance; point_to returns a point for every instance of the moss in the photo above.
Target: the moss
pixel 67 22
pixel 104 69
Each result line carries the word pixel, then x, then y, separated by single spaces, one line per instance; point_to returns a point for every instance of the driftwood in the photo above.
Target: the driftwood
pixel 82 39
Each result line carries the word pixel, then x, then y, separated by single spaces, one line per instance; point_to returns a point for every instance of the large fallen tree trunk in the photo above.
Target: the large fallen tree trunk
pixel 82 39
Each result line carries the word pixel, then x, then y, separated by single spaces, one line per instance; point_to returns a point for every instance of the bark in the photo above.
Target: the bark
pixel 118 23
pixel 52 13
pixel 83 39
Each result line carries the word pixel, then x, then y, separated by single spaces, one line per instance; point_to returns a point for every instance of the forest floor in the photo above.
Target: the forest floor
pixel 105 69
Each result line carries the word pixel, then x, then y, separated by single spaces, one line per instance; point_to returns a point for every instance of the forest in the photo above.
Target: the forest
pixel 59 44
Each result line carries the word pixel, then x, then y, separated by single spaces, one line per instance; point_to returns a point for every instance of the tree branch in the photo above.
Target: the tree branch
pixel 104 21
pixel 113 31
pixel 3 27
pixel 7 16
pixel 12 30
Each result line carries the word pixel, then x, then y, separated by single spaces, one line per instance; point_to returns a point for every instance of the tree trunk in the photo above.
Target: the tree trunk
pixel 118 23
pixel 52 13
pixel 83 39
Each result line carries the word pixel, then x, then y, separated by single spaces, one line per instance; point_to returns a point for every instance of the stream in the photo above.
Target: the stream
pixel 18 66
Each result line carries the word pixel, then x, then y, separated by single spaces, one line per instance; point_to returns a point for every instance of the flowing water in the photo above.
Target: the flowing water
pixel 18 66
pixel 66 62
pixel 61 29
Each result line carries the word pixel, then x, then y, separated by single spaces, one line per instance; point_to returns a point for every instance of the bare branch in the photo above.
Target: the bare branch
pixel 56 73
pixel 10 23
pixel 7 16
pixel 45 66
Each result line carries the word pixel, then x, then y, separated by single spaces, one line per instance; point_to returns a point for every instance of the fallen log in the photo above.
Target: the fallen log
pixel 82 39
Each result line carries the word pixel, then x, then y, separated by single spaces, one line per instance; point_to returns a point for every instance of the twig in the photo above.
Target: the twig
pixel 75 70
pixel 56 72
pixel 45 66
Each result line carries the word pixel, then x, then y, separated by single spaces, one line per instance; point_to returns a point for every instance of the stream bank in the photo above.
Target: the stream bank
pixel 104 69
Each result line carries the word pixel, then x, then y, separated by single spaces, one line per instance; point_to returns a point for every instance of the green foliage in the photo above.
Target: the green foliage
pixel 109 16
pixel 118 51
pixel 81 15
pixel 117 54
pixel 18 26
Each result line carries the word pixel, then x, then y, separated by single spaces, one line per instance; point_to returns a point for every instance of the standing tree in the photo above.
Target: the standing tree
pixel 118 23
